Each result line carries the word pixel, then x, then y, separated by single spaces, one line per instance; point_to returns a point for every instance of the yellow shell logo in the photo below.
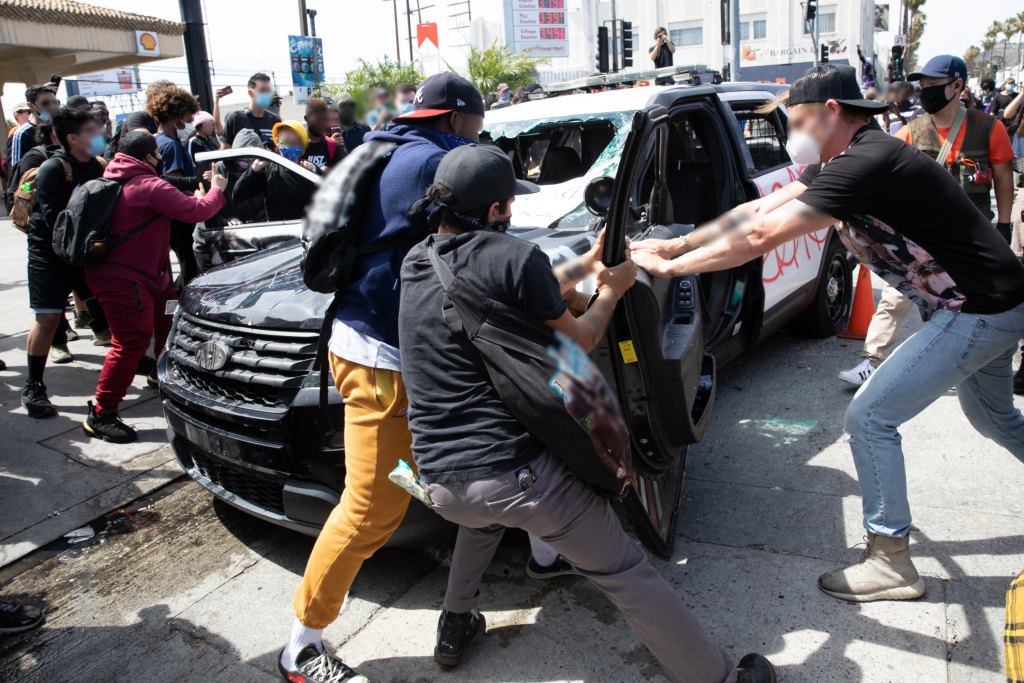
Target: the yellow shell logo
pixel 147 41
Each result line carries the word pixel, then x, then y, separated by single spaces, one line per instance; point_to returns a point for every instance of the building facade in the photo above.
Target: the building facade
pixel 775 42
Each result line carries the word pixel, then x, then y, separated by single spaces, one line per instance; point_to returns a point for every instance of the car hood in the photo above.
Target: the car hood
pixel 266 289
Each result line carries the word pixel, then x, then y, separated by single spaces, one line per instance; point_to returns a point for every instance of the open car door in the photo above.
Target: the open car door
pixel 655 345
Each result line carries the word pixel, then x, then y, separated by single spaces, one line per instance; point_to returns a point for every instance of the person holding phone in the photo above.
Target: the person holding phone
pixel 322 150
pixel 661 53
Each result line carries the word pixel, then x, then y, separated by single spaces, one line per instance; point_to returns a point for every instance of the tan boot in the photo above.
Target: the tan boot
pixel 883 572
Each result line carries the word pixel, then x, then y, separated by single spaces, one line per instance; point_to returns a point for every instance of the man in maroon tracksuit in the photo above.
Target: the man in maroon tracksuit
pixel 134 282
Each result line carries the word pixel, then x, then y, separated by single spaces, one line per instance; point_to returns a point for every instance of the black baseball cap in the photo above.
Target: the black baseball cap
pixel 478 176
pixel 831 82
pixel 444 93
pixel 942 66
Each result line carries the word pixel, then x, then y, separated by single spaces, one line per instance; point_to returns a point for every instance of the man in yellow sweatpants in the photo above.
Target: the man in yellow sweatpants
pixel 367 369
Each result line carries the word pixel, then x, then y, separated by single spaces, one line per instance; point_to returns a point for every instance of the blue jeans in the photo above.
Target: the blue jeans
pixel 970 352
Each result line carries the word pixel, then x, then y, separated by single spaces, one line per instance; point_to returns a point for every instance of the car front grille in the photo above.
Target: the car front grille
pixel 261 490
pixel 264 371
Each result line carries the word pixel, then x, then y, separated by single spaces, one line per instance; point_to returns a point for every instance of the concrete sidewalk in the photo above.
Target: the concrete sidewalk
pixel 52 477
pixel 191 589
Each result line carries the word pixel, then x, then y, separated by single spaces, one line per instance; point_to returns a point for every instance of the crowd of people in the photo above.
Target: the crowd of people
pixel 909 182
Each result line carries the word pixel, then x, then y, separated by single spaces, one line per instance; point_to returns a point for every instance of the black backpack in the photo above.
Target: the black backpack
pixel 330 231
pixel 547 381
pixel 81 234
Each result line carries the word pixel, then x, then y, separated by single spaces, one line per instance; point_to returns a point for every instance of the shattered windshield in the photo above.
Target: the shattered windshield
pixel 562 155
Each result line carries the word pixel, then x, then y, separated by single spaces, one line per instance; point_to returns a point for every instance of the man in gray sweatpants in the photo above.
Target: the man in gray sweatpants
pixel 482 468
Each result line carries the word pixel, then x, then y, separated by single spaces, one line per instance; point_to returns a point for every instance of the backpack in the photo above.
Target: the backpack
pixel 25 195
pixel 330 230
pixel 81 234
pixel 547 381
pixel 115 139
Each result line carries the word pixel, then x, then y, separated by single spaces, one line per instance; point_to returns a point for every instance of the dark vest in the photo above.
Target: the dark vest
pixel 978 132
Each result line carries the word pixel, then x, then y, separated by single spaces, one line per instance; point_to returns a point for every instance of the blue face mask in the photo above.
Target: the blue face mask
pixel 404 109
pixel 43 115
pixel 290 153
pixel 97 146
pixel 454 141
pixel 1011 87
pixel 264 99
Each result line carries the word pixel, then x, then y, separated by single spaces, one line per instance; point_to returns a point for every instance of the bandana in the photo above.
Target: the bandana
pixel 454 141
pixel 290 153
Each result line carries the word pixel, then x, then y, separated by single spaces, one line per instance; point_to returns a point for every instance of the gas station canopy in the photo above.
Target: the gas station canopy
pixel 43 37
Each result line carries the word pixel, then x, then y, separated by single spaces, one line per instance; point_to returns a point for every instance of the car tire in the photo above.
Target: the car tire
pixel 828 312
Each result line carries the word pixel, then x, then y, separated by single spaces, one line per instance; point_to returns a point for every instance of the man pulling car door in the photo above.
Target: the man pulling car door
pixel 938 248
pixel 483 469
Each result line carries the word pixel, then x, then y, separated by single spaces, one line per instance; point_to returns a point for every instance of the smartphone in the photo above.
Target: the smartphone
pixel 335 129
pixel 224 91
pixel 55 79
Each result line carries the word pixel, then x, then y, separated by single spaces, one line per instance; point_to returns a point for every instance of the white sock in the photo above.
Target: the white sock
pixel 300 638
pixel 543 554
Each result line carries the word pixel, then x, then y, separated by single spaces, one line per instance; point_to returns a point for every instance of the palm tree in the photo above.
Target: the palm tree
pixel 499 64
pixel 1020 34
pixel 971 59
pixel 917 24
pixel 993 32
pixel 362 81
pixel 1008 29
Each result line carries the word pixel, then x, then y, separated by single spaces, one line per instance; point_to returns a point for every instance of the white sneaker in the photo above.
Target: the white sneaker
pixel 859 374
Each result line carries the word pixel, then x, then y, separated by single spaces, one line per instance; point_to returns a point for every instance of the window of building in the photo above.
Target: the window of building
pixel 760 29
pixel 683 37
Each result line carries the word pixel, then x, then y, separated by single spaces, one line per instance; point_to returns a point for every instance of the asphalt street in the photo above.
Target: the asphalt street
pixel 177 586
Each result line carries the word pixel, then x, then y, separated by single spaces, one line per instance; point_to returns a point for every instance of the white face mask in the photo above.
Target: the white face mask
pixel 803 148
pixel 183 133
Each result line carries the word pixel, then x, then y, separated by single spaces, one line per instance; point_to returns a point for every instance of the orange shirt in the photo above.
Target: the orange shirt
pixel 999 148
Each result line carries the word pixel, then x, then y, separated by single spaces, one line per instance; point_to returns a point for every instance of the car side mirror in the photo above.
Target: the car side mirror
pixel 598 195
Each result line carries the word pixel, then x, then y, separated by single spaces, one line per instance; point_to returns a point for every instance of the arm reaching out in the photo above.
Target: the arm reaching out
pixel 745 236
pixel 589 328
pixel 712 230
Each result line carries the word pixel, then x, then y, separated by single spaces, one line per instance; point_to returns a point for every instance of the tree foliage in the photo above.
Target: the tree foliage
pixel 499 64
pixel 971 60
pixel 918 19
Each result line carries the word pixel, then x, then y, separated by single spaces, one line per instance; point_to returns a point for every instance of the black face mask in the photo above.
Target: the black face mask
pixel 933 98
pixel 159 168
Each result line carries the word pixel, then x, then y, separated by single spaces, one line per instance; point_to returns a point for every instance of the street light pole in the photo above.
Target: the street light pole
pixel 316 51
pixel 408 27
pixel 734 47
pixel 398 42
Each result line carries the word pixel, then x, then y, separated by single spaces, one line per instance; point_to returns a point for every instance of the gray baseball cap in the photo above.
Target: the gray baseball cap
pixel 478 176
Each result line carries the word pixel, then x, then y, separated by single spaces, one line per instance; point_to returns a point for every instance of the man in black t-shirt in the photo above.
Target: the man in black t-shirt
pixel 255 116
pixel 661 54
pixel 483 469
pixel 322 150
pixel 908 219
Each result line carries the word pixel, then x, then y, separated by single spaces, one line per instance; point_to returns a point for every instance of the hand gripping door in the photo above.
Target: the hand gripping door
pixel 544 378
pixel 665 380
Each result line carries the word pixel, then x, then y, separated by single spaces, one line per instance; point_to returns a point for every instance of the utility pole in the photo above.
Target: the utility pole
pixel 195 52
pixel 408 28
pixel 734 40
pixel 303 28
pixel 817 35
pixel 615 42
pixel 398 42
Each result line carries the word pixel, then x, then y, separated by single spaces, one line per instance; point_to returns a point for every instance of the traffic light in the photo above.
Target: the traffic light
pixel 627 44
pixel 602 49
pixel 896 64
pixel 824 53
pixel 810 10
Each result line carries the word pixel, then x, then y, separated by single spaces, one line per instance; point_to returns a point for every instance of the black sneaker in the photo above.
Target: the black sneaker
pixel 560 567
pixel 314 667
pixel 754 668
pixel 1018 380
pixel 454 631
pixel 3 365
pixel 108 426
pixel 153 381
pixel 147 366
pixel 35 400
pixel 15 618
pixel 83 320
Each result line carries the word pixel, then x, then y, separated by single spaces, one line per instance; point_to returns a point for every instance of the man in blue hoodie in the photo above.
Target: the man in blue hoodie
pixel 367 370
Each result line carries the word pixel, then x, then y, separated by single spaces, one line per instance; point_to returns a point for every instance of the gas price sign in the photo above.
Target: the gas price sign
pixel 539 26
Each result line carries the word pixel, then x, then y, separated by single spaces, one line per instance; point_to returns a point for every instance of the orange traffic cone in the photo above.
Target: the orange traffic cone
pixel 863 307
